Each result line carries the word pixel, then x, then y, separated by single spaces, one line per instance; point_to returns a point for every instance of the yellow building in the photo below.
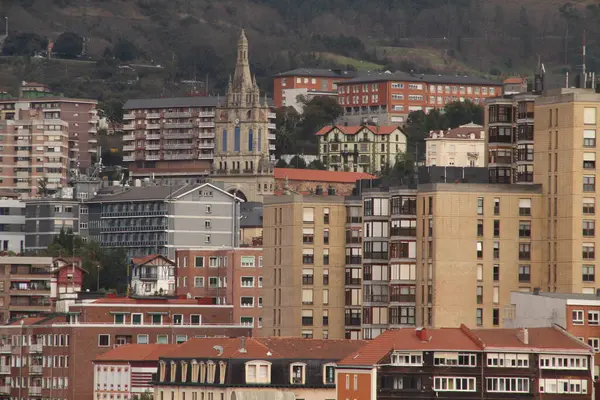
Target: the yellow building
pixel 566 123
pixel 364 148
pixel 460 147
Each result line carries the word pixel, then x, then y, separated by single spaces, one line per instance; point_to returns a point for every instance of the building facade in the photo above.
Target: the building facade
pixel 307 181
pixel 270 368
pixel 224 276
pixel 161 219
pixel 45 218
pixel 12 220
pixel 387 98
pixel 153 275
pixel 306 82
pixel 459 363
pixel 51 356
pixel 461 147
pixel 370 149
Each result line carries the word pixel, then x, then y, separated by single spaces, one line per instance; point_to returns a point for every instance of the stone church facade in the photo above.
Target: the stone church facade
pixel 245 135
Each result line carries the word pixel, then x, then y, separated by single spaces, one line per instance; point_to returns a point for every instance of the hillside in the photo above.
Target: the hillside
pixel 195 39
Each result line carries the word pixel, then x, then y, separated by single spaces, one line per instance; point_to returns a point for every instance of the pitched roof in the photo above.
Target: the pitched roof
pixel 265 348
pixel 427 78
pixel 147 193
pixel 550 338
pixel 137 352
pixel 406 339
pixel 354 129
pixel 514 80
pixel 148 258
pixel 462 132
pixel 314 175
pixel 318 72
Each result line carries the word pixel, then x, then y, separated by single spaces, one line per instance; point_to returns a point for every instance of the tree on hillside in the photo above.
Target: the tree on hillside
pixel 286 120
pixel 112 109
pixel 460 113
pixel 24 44
pixel 297 162
pixel 318 112
pixel 68 45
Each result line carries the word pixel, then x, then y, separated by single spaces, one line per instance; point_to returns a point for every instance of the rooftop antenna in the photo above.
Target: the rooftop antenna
pixel 583 72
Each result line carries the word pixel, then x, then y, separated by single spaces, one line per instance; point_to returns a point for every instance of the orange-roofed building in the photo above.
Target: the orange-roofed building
pixel 127 370
pixel 305 181
pixel 463 146
pixel 361 148
pixel 252 368
pixel 459 363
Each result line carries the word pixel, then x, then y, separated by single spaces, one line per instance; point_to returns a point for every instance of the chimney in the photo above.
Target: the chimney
pixel 536 291
pixel 523 335
pixel 422 334
pixel 243 345
pixel 319 190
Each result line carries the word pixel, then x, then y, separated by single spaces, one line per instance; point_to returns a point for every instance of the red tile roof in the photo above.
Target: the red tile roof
pixel 148 258
pixel 28 321
pixel 314 175
pixel 137 352
pixel 462 132
pixel 539 338
pixel 513 79
pixel 354 129
pixel 129 300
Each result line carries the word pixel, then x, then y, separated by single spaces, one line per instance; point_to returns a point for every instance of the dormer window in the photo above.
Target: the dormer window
pixel 298 374
pixel 184 371
pixel 163 371
pixel 173 371
pixel 407 359
pixel 195 371
pixel 222 370
pixel 329 374
pixel 202 372
pixel 258 372
pixel 210 372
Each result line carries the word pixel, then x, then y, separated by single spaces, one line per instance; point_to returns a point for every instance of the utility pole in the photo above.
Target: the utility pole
pixel 6 27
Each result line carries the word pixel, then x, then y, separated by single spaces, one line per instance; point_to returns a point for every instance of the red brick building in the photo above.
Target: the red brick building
pixel 224 276
pixel 307 82
pixel 388 98
pixel 306 181
pixel 51 356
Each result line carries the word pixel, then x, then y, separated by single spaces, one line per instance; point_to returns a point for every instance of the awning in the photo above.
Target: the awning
pixel 262 394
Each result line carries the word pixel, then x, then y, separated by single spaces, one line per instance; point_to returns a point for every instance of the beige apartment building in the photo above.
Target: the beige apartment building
pixel 303 245
pixel 476 244
pixel 461 147
pixel 566 123
pixel 33 147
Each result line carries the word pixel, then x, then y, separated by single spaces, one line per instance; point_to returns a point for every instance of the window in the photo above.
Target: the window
pixel 177 319
pixel 308 235
pixel 524 251
pixel 589 228
pixel 507 385
pixel 588 273
pixel 496 252
pixel 589 138
pixel 450 384
pixel 103 340
pixel 247 281
pixel 589 206
pixel 589 183
pixel 479 272
pixel 326 215
pixel 162 339
pixel 496 228
pixel 480 206
pixel 199 262
pixel 479 249
pixel 479 227
pixel 297 373
pixel 524 229
pixel 142 339
pixel 479 296
pixel 325 236
pixel 496 311
pixel 137 319
pixel 594 343
pixel 247 321
pixel 455 359
pixel 307 317
pixel 307 276
pixel 524 207
pixel 199 281
pixel 407 359
pixel 156 319
pixel 258 372
pixel 308 215
pixel 577 317
pixel 589 115
pixel 496 206
pixel 563 362
pixel 329 374
pixel 589 251
pixel 195 319
pixel 496 272
pixel 508 360
pixel 120 319
pixel 213 262
pixel 247 301
pixel 248 261
pixel 524 273
pixel 594 318
pixel 567 386
pixel 589 160
pixel 479 316
pixel 325 256
pixel 308 256
pixel 307 296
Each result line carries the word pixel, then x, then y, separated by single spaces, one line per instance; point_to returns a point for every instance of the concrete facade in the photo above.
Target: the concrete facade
pixel 12 221
pixel 461 147
pixel 44 219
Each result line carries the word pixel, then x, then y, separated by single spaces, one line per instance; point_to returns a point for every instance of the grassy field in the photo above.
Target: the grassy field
pixel 425 57
pixel 358 64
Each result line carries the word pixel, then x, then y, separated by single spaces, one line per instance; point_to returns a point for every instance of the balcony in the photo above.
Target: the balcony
pixel 204 124
pixel 151 276
pixel 23 142
pixel 153 136
pixel 5 389
pixel 352 321
pixel 93 130
pixel 30 308
pixel 152 115
pixel 5 349
pixel 272 136
pixel 129 147
pixel 177 125
pixel 178 156
pixel 35 370
pixel 271 126
pixel 206 114
pixel 271 115
pixel 36 348
pixel 178 115
pixel 129 137
pixel 185 146
pixel 353 281
pixel 206 135
pixel 30 292
pixel 35 390
pixel 152 146
pixel 169 136
pixel 23 164
pixel 353 260
pixel 128 127
pixel 204 156
pixel 128 116
pixel 272 147
pixel 22 174
pixel 5 369
pixel 206 145
pixel 22 185
pixel 128 158
pixel 152 157
pixel 152 126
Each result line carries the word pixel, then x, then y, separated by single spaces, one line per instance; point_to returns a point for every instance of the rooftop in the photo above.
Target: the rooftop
pixel 177 102
pixel 354 129
pixel 426 78
pixel 318 72
pixel 314 175
pixel 145 193
pixel 462 132
pixel 564 296
pixel 137 352
pixel 148 258
pixel 538 338
pixel 145 301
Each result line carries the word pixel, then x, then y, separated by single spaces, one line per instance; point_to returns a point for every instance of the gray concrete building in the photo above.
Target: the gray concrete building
pixel 12 223
pixel 44 219
pixel 162 219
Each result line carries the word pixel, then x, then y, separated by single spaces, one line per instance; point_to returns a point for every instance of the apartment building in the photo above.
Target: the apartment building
pixel 576 312
pixel 80 115
pixel 461 147
pixel 303 244
pixel 46 217
pixel 12 223
pixel 224 276
pixel 476 243
pixel 463 363
pixel 565 165
pixel 510 137
pixel 387 98
pixel 306 82
pixel 272 368
pixel 153 275
pixel 370 149
pixel 51 356
pixel 161 219
pixel 34 148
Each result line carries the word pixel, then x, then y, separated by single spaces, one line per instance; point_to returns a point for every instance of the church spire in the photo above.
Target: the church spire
pixel 241 77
